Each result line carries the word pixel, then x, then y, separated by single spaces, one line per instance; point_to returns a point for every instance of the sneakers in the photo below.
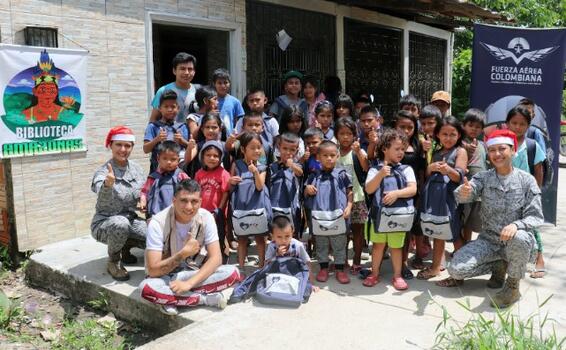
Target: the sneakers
pixel 322 275
pixel 170 310
pixel 216 300
pixel 117 270
pixel 399 283
pixel 342 277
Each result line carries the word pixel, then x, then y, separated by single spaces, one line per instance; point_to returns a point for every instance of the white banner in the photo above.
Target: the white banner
pixel 43 105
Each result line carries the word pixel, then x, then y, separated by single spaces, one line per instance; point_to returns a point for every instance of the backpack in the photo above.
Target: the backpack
pixel 436 217
pixel 251 209
pixel 327 212
pixel 283 282
pixel 284 192
pixel 400 215
pixel 548 172
pixel 160 194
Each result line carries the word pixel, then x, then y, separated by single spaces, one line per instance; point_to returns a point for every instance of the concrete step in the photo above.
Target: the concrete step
pixel 76 268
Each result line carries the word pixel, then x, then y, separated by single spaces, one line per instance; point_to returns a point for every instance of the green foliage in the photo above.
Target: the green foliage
pixel 525 13
pixel 503 331
pixel 88 335
pixel 9 312
pixel 100 303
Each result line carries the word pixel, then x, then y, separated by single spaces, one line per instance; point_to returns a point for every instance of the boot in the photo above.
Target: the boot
pixel 127 257
pixel 508 295
pixel 115 268
pixel 497 275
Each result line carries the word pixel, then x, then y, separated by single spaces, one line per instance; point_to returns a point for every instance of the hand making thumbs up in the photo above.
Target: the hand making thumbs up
pixel 110 178
pixel 386 170
pixel 465 189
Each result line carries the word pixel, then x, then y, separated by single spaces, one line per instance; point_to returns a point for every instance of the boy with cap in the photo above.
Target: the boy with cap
pixel 292 87
pixel 441 99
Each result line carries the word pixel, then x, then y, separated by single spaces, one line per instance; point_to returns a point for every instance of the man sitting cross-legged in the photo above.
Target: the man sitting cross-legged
pixel 182 255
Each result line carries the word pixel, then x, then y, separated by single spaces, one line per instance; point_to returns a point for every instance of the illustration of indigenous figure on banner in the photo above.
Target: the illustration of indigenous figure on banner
pixel 42 108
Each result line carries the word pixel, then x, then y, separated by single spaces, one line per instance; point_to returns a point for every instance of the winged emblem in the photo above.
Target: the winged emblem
pixel 534 55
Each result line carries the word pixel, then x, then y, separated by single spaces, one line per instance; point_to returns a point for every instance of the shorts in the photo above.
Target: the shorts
pixel 393 239
pixel 360 213
pixel 471 216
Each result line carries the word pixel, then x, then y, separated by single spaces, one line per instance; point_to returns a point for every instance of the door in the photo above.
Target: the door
pixel 312 50
pixel 427 63
pixel 373 63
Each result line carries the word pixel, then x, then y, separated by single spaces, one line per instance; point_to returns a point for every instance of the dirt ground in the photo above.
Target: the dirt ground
pixel 43 320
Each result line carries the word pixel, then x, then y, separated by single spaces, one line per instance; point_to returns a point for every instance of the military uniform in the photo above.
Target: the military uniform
pixel 115 221
pixel 511 199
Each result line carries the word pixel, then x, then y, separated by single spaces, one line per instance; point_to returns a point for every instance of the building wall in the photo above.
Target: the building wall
pixel 52 197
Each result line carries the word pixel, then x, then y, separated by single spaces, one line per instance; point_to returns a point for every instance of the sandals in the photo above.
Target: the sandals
pixel 370 281
pixel 399 283
pixel 426 274
pixel 355 269
pixel 538 273
pixel 406 273
pixel 418 264
pixel 449 282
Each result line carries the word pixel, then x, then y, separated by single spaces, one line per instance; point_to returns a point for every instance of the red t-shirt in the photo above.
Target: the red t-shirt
pixel 213 184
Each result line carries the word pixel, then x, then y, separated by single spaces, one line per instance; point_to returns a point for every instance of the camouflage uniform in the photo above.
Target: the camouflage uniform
pixel 514 198
pixel 115 220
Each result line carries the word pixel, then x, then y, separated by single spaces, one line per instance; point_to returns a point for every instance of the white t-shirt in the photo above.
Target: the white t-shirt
pixel 155 238
pixel 408 172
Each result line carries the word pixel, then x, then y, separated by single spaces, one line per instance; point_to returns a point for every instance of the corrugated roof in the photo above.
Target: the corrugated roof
pixel 446 14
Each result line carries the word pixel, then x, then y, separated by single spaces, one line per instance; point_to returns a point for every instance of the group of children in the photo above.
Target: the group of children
pixel 337 172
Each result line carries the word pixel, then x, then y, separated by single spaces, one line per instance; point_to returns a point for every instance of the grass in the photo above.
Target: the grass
pixel 503 331
pixel 90 335
pixel 100 303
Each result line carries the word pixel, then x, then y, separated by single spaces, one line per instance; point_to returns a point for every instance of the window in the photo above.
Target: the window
pixel 40 36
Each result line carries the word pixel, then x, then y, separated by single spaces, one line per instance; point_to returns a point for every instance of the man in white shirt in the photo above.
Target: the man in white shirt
pixel 182 257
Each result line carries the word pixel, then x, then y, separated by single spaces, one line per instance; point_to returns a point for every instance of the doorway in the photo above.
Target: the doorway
pixel 209 46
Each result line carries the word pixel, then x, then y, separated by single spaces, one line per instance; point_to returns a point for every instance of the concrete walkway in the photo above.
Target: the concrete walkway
pixel 339 316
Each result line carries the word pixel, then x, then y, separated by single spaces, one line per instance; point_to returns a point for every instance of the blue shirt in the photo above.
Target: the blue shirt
pixel 230 109
pixel 184 98
pixel 151 132
pixel 520 161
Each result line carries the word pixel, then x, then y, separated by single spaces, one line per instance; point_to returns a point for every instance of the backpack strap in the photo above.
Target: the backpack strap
pixel 360 173
pixel 531 154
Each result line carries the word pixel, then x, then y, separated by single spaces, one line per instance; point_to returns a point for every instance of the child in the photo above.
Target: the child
pixel 210 130
pixel 292 121
pixel 406 122
pixel 529 157
pixel 441 99
pixel 429 117
pixel 323 113
pixel 360 101
pixel 410 104
pixel 450 161
pixel 474 122
pixel 328 196
pixel 344 107
pixel 313 138
pixel 165 128
pixel 255 102
pixel 214 184
pixel 250 193
pixel 157 191
pixel 253 122
pixel 230 107
pixel 206 101
pixel 285 176
pixel 283 244
pixel 369 123
pixel 312 95
pixel 355 161
pixel 292 87
pixel 391 149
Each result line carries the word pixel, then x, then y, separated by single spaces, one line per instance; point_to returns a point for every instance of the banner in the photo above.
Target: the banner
pixel 509 64
pixel 42 110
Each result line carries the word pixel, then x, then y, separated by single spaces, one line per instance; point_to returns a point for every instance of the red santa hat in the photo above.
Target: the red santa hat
pixel 504 136
pixel 119 133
